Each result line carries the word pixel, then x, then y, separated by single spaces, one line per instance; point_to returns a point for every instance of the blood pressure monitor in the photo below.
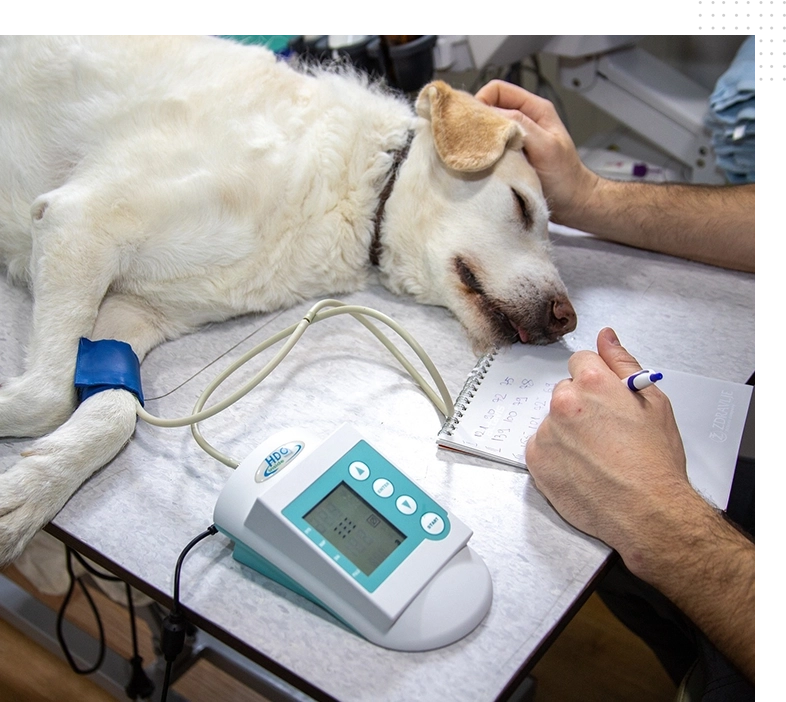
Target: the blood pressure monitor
pixel 339 524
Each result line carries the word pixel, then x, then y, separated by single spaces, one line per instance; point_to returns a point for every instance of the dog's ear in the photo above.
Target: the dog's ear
pixel 468 135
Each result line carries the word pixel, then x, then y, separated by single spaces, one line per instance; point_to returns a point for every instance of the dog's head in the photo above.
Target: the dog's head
pixel 466 225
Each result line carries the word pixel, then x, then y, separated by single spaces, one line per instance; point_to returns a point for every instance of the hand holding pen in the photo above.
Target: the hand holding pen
pixel 604 451
pixel 642 379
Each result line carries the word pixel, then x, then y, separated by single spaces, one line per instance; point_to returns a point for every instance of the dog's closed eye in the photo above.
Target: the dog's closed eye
pixel 524 209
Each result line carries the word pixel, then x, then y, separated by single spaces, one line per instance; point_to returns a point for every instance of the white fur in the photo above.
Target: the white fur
pixel 148 186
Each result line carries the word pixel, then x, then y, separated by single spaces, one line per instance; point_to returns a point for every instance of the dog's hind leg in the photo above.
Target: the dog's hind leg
pixel 73 264
pixel 34 490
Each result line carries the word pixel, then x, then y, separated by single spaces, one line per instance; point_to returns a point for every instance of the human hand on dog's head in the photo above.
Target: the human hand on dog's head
pixel 567 183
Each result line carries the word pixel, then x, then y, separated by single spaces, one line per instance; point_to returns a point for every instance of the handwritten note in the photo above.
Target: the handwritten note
pixel 503 402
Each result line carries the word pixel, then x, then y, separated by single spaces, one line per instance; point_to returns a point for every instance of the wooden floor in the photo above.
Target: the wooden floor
pixel 595 658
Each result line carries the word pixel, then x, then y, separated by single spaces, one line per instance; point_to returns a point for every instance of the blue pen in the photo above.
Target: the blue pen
pixel 642 379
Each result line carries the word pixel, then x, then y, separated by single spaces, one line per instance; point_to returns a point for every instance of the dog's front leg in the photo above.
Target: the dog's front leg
pixel 73 264
pixel 34 490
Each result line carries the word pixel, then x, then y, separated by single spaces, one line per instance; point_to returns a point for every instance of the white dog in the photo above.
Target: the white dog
pixel 149 185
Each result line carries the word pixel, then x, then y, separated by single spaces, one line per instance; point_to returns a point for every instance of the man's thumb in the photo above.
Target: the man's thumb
pixel 615 355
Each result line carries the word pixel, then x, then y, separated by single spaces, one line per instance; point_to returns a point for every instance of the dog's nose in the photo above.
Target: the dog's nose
pixel 562 318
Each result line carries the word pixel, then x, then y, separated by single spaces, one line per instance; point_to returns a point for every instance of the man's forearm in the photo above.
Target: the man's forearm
pixel 710 224
pixel 707 568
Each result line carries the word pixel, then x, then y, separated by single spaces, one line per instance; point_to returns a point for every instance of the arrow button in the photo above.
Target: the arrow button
pixel 406 504
pixel 359 470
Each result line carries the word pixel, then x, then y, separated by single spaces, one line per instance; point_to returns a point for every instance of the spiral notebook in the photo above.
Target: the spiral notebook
pixel 508 392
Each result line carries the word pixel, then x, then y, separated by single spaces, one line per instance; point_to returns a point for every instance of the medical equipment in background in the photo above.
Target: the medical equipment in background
pixel 639 90
pixel 406 62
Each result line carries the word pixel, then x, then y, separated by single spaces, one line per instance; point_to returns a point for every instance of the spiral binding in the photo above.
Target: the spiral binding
pixel 474 379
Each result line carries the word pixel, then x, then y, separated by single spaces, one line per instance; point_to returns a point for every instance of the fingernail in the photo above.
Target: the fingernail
pixel 611 336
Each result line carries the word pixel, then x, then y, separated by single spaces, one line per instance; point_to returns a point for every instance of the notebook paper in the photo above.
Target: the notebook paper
pixel 508 392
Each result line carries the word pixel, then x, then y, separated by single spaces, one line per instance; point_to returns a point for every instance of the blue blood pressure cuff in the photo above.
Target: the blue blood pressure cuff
pixel 104 365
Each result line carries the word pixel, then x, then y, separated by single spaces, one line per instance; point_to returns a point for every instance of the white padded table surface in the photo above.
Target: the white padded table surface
pixel 142 509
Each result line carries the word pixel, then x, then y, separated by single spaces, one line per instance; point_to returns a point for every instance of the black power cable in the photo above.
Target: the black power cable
pixel 140 685
pixel 72 581
pixel 173 628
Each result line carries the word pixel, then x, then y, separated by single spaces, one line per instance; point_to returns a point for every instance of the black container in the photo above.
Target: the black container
pixel 413 63
pixel 409 66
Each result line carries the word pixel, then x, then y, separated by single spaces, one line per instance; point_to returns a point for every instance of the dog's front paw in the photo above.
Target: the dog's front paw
pixel 33 406
pixel 27 504
pixel 34 490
